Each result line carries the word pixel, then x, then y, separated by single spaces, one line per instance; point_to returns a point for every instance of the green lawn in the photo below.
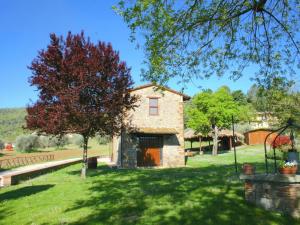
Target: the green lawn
pixel 205 192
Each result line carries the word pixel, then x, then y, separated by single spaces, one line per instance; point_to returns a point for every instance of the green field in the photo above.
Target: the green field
pixel 207 191
pixel 11 122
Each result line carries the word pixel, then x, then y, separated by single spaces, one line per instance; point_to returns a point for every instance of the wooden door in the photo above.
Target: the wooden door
pixel 149 153
pixel 151 156
pixel 148 157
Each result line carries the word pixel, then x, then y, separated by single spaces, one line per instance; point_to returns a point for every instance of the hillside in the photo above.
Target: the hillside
pixel 11 122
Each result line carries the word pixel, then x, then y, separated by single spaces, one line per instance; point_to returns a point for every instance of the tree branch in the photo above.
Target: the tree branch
pixel 284 28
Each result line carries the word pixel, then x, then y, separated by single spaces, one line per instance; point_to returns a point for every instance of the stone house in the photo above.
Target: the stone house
pixel 156 137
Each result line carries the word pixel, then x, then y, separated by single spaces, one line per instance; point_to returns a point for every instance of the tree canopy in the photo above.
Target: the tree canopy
pixel 212 111
pixel 203 38
pixel 83 88
pixel 278 98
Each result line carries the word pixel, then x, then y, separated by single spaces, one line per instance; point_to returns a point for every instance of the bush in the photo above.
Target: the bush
pixel 280 155
pixel 58 142
pixel 282 140
pixel 44 141
pixel 76 139
pixel 27 143
pixel 2 145
pixel 102 140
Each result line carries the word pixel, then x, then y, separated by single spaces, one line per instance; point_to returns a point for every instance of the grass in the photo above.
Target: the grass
pixel 205 192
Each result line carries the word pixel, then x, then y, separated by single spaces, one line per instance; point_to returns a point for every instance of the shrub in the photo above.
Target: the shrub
pixel 281 141
pixel 102 140
pixel 280 155
pixel 2 145
pixel 58 142
pixel 44 141
pixel 27 143
pixel 76 139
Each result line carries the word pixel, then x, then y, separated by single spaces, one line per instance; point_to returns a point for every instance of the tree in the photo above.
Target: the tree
pixel 279 98
pixel 246 109
pixel 211 112
pixel 83 89
pixel 204 38
pixel 239 97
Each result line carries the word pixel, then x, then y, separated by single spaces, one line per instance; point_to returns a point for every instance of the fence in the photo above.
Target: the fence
pixel 23 161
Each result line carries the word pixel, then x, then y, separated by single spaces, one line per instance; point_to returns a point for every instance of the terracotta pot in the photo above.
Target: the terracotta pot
pixel 288 170
pixel 248 169
pixel 294 169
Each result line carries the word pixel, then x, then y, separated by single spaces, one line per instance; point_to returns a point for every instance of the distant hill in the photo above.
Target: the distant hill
pixel 11 122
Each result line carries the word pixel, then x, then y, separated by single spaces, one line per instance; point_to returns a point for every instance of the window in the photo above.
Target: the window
pixel 153 106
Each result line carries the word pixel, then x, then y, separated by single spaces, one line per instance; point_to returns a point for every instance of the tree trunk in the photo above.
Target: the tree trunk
pixel 84 157
pixel 200 146
pixel 215 140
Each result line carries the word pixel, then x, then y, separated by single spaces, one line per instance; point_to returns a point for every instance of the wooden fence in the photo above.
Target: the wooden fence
pixel 23 161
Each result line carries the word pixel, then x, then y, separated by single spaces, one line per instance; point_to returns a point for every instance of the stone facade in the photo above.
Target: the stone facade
pixel 274 192
pixel 168 124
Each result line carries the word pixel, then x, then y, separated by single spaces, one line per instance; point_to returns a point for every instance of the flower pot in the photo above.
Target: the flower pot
pixel 288 170
pixel 294 170
pixel 248 169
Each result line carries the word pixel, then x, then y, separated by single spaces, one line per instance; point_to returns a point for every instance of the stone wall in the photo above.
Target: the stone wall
pixel 170 116
pixel 274 192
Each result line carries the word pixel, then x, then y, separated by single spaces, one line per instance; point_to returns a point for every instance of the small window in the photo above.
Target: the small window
pixel 153 106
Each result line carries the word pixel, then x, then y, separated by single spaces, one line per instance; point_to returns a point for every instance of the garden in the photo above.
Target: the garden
pixel 206 191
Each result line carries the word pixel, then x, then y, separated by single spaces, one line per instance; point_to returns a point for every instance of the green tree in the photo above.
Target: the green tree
pixel 246 109
pixel 204 38
pixel 239 97
pixel 280 98
pixel 212 112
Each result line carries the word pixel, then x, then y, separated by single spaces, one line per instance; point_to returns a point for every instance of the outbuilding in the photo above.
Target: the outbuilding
pixel 258 136
pixel 156 134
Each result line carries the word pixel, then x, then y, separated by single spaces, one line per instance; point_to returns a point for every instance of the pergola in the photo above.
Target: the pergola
pixel 224 135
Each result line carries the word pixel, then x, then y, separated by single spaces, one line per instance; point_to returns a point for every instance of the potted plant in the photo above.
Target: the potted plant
pixel 288 167
pixel 286 145
pixel 248 169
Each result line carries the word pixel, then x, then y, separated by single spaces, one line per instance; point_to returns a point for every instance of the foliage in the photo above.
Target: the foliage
pixel 189 38
pixel 287 164
pixel 2 146
pixel 102 139
pixel 11 122
pixel 280 155
pixel 277 99
pixel 76 139
pixel 209 109
pixel 58 141
pixel 27 143
pixel 243 127
pixel 281 141
pixel 83 88
pixel 246 110
pixel 239 97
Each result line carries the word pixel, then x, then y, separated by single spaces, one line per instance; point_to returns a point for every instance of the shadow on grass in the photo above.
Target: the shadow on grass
pixel 25 191
pixel 207 195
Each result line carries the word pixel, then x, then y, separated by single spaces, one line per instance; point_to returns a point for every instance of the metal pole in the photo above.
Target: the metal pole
pixel 265 146
pixel 233 142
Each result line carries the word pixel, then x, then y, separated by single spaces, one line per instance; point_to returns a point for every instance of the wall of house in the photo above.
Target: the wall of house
pixel 170 116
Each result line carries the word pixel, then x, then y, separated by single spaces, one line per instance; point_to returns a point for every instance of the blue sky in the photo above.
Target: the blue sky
pixel 25 28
